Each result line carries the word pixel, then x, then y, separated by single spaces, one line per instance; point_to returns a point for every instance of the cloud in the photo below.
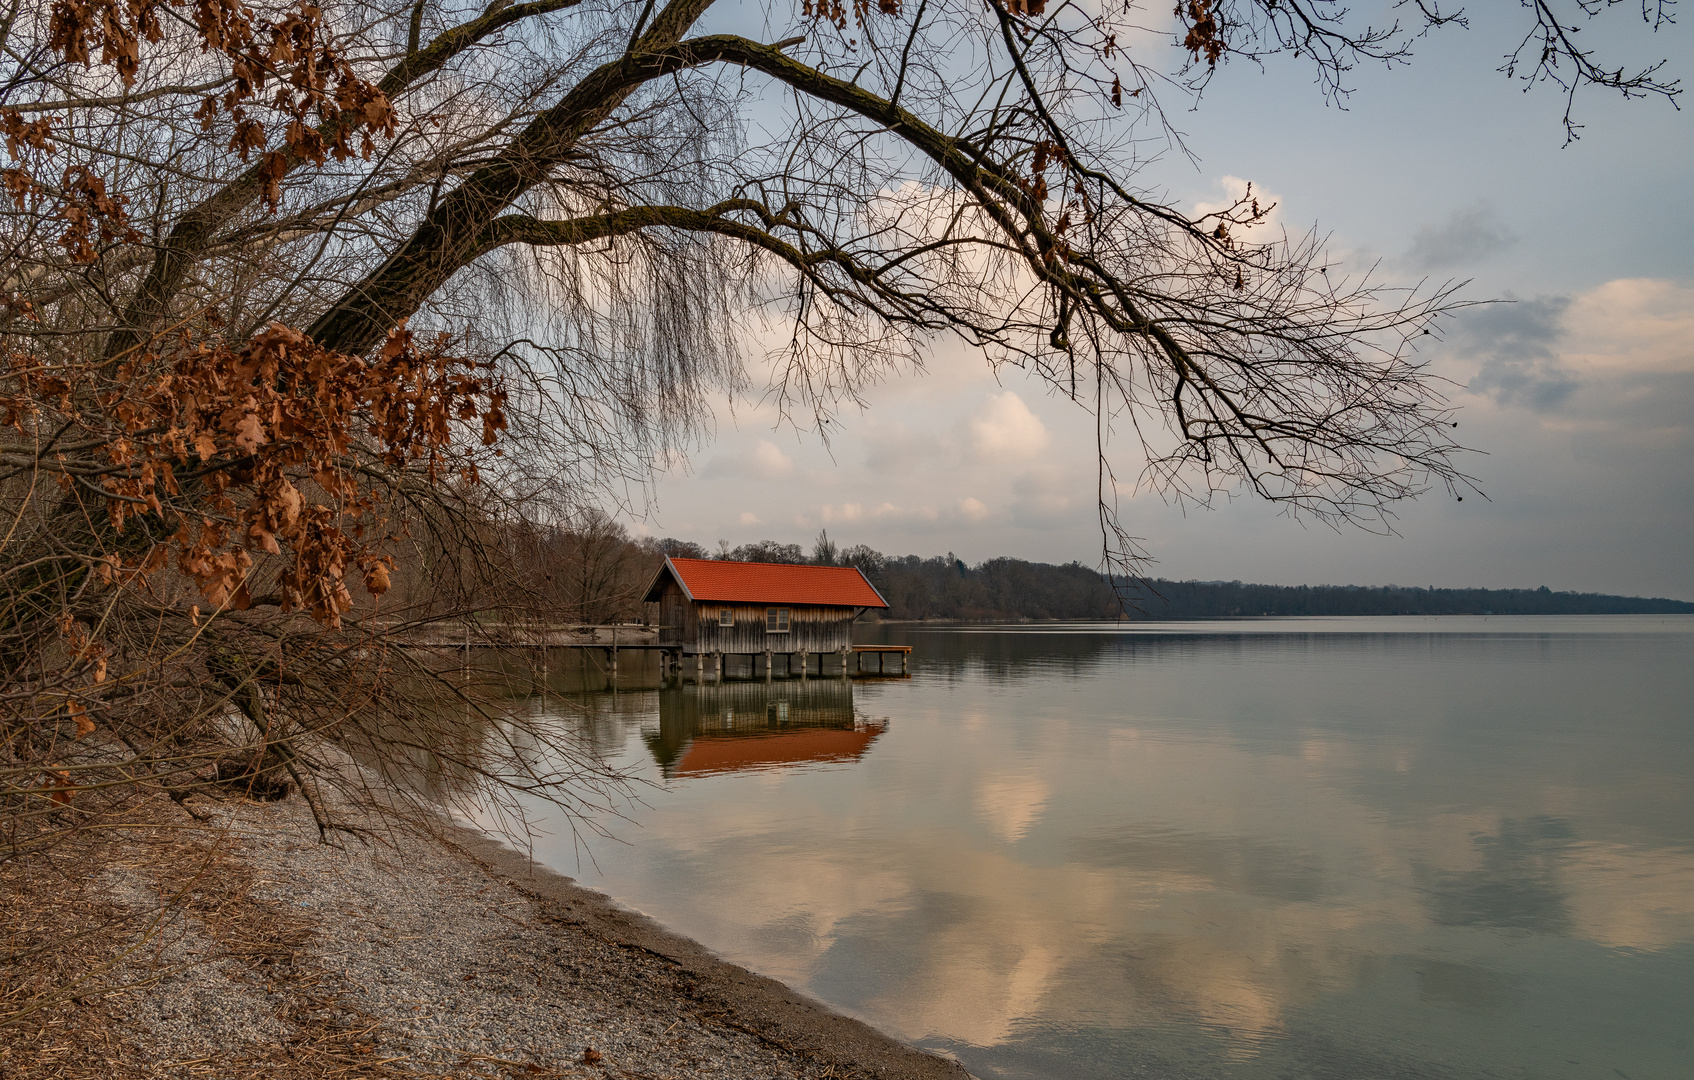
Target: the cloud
pixel 1517 346
pixel 893 448
pixel 1043 496
pixel 770 462
pixel 844 514
pixel 850 513
pixel 1465 238
pixel 749 518
pixel 1633 324
pixel 910 519
pixel 1005 430
pixel 1626 341
pixel 765 460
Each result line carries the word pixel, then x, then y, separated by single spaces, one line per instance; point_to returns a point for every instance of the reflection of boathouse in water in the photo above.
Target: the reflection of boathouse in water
pixel 739 726
pixel 759 612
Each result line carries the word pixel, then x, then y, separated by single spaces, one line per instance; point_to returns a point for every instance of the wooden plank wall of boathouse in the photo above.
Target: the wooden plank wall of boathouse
pixel 810 629
pixel 694 627
pixel 676 615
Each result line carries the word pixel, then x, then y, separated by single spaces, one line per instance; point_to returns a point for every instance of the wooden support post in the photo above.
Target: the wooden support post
pixel 770 662
pixel 903 658
pixel 805 662
pixel 699 668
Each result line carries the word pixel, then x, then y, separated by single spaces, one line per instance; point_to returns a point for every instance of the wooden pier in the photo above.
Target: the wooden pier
pixel 675 662
pixel 882 653
pixel 770 665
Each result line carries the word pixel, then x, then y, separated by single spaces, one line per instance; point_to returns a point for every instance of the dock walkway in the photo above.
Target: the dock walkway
pixel 673 661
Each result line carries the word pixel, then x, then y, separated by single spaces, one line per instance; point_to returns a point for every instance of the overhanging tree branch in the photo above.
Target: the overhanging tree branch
pixel 195 227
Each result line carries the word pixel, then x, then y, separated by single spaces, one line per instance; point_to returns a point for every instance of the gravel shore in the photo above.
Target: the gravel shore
pixel 412 957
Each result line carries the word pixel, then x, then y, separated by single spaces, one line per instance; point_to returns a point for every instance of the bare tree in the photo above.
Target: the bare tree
pixel 586 570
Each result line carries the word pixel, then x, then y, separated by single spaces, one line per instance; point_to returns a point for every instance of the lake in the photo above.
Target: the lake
pixel 1348 848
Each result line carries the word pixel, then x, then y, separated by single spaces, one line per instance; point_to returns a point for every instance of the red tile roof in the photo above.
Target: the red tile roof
pixel 719 581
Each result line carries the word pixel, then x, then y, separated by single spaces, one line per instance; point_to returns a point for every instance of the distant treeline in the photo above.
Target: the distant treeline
pixel 604 570
pixel 1211 599
pixel 944 587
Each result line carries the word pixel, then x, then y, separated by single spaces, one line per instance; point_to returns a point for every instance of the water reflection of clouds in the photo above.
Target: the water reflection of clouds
pixel 1516 883
pixel 1630 898
pixel 1009 803
pixel 1077 859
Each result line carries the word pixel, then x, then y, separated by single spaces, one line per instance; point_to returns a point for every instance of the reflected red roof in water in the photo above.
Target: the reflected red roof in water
pixel 717 753
pixel 714 580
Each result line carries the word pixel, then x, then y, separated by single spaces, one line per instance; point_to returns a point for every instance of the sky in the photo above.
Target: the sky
pixel 1576 391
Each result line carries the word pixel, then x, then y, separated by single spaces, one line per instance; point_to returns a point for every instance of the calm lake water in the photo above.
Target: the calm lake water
pixel 1348 848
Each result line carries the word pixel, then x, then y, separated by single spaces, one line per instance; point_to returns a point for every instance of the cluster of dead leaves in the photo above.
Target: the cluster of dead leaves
pixel 88 213
pixel 1045 153
pixel 91 213
pixel 318 108
pixel 320 105
pixel 282 410
pixel 831 11
pixel 1205 30
pixel 323 100
pixel 265 448
pixel 1074 204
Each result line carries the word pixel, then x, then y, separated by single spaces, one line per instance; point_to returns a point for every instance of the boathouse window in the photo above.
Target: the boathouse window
pixel 726 617
pixel 776 620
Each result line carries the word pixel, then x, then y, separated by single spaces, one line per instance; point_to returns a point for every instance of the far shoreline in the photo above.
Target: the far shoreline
pixel 1177 619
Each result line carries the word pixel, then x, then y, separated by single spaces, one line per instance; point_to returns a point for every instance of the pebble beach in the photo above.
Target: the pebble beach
pixel 416 956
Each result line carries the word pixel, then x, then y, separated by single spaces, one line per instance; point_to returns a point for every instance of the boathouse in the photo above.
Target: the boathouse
pixel 713 607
